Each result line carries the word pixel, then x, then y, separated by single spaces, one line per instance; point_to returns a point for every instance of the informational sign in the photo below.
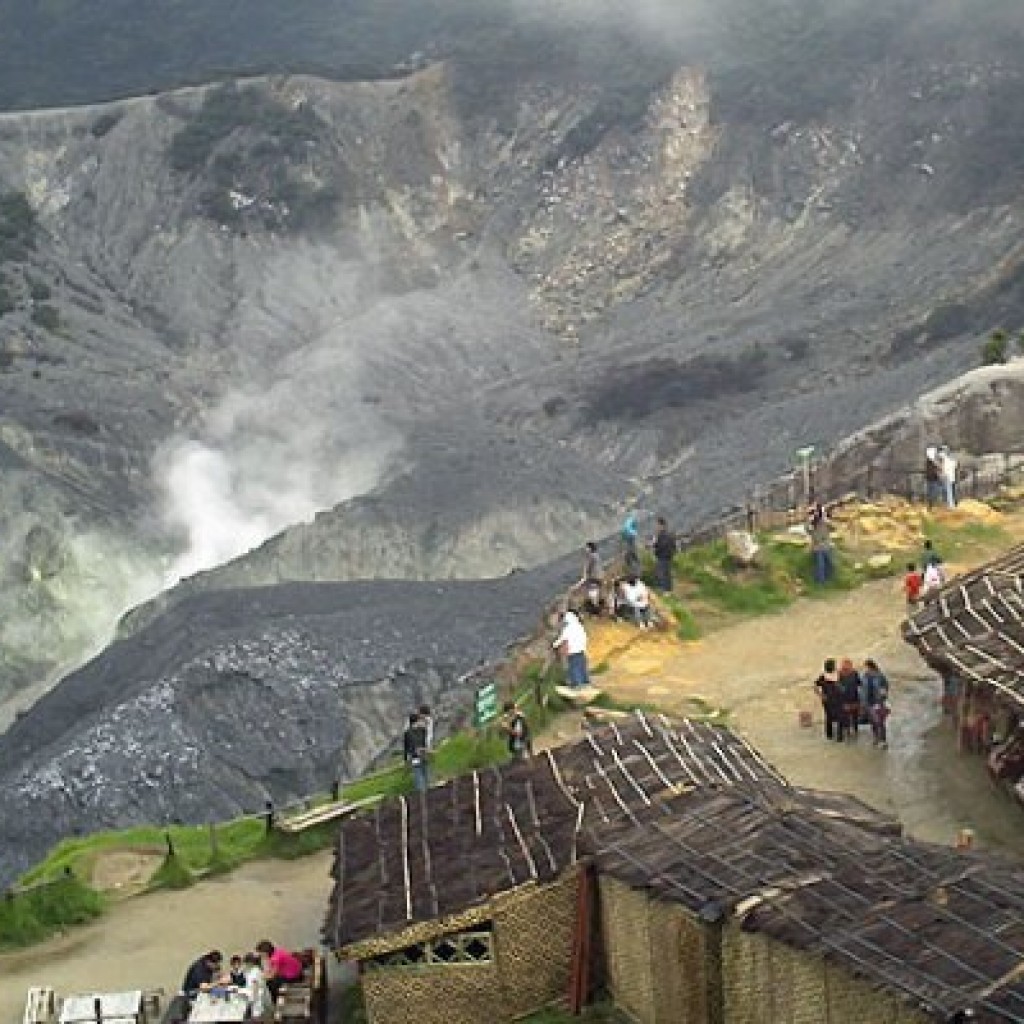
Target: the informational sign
pixel 486 706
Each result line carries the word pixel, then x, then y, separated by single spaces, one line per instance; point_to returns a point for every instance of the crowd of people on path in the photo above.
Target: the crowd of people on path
pixel 852 698
pixel 256 977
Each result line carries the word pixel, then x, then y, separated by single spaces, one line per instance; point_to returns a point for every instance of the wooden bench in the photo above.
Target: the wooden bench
pixel 321 815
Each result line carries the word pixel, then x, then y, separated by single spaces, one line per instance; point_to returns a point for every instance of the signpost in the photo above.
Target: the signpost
pixel 485 707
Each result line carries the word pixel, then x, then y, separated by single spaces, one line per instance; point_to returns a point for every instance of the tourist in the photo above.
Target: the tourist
pixel 932 581
pixel 821 550
pixel 629 534
pixel 516 728
pixel 279 967
pixel 929 555
pixel 236 972
pixel 913 582
pixel 932 476
pixel 947 474
pixel 827 686
pixel 851 687
pixel 571 642
pixel 589 584
pixel 664 546
pixel 635 601
pixel 256 990
pixel 414 750
pixel 427 718
pixel 202 973
pixel 876 694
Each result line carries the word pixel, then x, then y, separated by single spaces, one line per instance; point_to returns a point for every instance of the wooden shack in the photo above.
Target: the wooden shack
pixel 973 636
pixel 463 904
pixel 740 908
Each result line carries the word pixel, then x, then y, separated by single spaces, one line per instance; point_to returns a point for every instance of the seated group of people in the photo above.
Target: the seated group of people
pixel 257 976
pixel 626 597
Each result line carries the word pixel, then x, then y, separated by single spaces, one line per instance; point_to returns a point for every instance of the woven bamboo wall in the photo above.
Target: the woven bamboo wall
pixel 533 933
pixel 766 982
pixel 656 957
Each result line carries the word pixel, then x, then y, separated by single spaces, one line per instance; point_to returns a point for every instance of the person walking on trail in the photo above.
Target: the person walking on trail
pixel 947 474
pixel 876 694
pixel 414 750
pixel 932 581
pixel 827 686
pixel 571 643
pixel 821 550
pixel 630 534
pixel 850 684
pixel 516 728
pixel 664 546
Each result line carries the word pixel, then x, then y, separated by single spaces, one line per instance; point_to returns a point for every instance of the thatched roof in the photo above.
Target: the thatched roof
pixel 975 629
pixel 429 856
pixel 938 928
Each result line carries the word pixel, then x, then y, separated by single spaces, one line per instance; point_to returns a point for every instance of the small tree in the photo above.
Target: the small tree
pixel 995 350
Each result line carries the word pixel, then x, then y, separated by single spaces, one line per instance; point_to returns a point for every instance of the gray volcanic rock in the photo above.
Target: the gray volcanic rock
pixel 237 697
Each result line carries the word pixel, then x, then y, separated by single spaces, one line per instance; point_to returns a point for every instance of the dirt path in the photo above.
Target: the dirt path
pixel 149 941
pixel 761 670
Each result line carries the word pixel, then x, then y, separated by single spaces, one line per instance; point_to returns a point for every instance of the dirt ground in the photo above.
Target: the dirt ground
pixel 149 941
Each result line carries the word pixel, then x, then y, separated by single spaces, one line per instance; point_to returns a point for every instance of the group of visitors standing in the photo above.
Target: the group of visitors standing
pixel 850 699
pixel 663 546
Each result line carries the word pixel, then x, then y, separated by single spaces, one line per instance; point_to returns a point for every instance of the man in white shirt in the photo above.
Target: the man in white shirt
pixel 571 642
pixel 947 474
pixel 636 600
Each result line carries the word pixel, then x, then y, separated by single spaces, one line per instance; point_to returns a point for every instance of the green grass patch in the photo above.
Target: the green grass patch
pixel 606 702
pixel 35 915
pixel 172 874
pixel 956 541
pixel 687 628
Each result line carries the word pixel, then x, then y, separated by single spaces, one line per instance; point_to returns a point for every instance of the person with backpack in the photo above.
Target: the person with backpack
pixel 876 694
pixel 414 750
pixel 850 685
pixel 516 728
pixel 665 547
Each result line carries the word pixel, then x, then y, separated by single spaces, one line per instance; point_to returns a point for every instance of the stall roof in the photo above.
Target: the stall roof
pixel 975 628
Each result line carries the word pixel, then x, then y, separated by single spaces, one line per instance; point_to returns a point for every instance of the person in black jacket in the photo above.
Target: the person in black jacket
pixel 414 750
pixel 664 546
pixel 852 687
pixel 827 685
pixel 202 973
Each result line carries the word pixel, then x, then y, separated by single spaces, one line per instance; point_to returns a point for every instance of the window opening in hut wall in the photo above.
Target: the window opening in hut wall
pixel 469 947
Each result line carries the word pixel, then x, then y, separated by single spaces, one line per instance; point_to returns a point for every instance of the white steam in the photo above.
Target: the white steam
pixel 269 457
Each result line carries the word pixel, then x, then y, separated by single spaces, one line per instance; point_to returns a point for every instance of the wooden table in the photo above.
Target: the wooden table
pixel 105 1007
pixel 212 1008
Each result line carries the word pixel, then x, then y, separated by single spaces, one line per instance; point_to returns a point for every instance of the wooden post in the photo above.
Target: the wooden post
pixel 213 841
pixel 269 815
pixel 170 844
pixel 335 791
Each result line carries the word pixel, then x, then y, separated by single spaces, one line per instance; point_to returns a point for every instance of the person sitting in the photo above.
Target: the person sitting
pixel 202 973
pixel 235 972
pixel 635 601
pixel 256 987
pixel 279 967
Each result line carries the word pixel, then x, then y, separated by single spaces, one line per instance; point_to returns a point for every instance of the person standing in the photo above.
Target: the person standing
pixel 827 686
pixel 630 533
pixel 876 691
pixel 516 728
pixel 821 550
pixel 913 582
pixel 932 476
pixel 571 642
pixel 851 686
pixel 664 546
pixel 427 718
pixel 414 750
pixel 947 473
pixel 590 583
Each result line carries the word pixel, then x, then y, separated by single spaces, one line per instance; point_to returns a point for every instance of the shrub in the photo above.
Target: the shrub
pixel 17 226
pixel 995 351
pixel 31 916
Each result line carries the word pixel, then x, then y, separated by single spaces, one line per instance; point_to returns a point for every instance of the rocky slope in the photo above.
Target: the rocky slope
pixel 448 322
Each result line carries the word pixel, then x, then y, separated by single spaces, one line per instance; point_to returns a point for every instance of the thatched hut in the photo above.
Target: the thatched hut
pixel 464 904
pixel 973 636
pixel 736 908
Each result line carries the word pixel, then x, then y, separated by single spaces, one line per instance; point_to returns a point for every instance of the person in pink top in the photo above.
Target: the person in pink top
pixel 280 966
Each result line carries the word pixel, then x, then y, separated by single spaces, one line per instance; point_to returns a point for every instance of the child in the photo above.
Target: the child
pixel 912 584
pixel 236 972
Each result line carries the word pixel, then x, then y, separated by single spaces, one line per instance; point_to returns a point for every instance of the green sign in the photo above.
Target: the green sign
pixel 486 705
